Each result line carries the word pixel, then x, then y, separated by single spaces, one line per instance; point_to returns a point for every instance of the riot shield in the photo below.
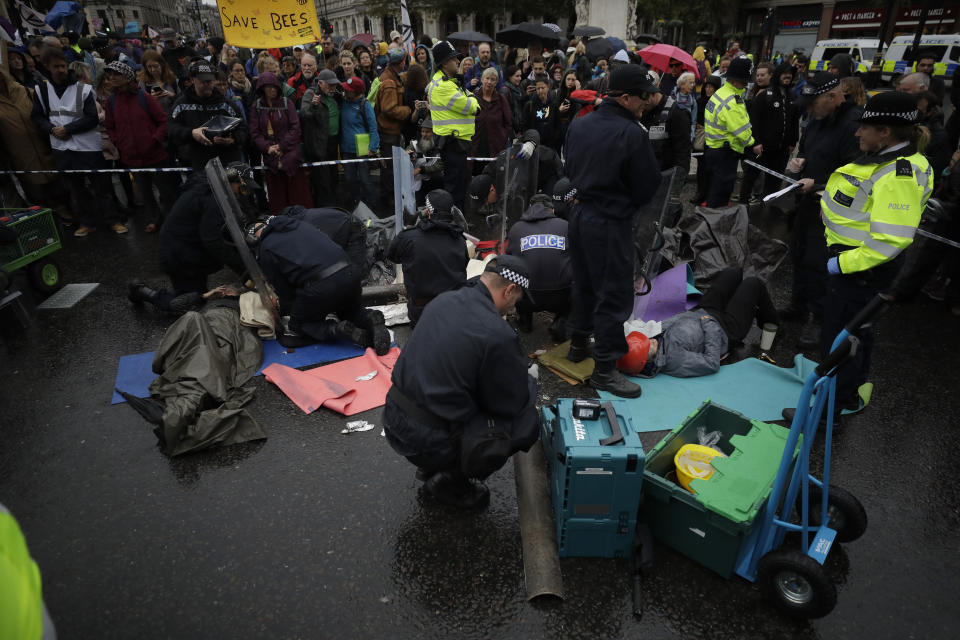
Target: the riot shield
pixel 404 197
pixel 519 184
pixel 233 217
pixel 648 224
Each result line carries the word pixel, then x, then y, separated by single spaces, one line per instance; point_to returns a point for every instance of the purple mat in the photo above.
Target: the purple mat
pixel 672 293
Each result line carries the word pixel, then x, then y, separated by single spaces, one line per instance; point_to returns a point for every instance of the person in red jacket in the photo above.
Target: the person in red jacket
pixel 137 125
pixel 275 130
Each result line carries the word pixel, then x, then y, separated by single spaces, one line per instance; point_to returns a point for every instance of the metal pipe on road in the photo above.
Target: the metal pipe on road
pixel 541 562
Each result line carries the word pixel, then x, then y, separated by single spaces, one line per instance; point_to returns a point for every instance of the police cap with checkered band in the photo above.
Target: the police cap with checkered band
pixel 513 269
pixel 891 108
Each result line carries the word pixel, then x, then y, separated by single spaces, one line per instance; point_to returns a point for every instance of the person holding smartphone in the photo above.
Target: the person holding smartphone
pixel 157 79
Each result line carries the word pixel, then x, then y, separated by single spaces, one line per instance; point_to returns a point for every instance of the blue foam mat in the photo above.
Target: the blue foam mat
pixel 135 371
pixel 755 388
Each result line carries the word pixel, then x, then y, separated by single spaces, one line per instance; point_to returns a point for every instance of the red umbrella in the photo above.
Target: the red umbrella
pixel 365 38
pixel 658 56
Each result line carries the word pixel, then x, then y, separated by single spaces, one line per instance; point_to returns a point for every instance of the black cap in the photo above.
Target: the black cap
pixel 480 187
pixel 739 69
pixel 564 191
pixel 243 173
pixel 892 108
pixel 514 269
pixel 439 203
pixel 631 79
pixel 202 70
pixel 443 51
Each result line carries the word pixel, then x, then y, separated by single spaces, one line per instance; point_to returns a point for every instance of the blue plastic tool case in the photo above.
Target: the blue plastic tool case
pixel 596 479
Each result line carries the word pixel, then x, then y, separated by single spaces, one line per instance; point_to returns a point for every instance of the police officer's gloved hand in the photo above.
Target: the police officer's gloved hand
pixel 534 371
pixel 526 150
pixel 833 266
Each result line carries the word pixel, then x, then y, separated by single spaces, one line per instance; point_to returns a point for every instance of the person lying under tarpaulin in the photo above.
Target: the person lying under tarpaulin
pixel 693 343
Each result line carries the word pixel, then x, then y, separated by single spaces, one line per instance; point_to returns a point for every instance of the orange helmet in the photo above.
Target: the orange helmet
pixel 638 347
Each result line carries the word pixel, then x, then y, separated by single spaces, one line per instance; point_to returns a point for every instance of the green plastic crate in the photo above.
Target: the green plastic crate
pixel 710 527
pixel 36 237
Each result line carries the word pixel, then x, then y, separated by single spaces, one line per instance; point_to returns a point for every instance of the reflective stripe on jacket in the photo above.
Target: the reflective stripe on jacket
pixel 725 120
pixel 875 208
pixel 451 108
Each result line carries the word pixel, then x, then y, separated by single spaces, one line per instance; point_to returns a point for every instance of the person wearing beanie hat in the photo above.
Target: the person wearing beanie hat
pixel 727 133
pixel 433 254
pixel 601 221
pixel 453 111
pixel 871 208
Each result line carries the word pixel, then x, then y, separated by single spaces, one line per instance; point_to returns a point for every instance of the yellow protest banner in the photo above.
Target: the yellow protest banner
pixel 265 24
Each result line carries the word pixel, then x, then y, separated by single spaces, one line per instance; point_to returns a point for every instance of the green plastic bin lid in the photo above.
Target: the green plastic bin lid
pixel 743 481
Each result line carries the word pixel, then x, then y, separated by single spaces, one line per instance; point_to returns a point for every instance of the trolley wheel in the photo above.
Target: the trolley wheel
pixel 847 516
pixel 796 584
pixel 45 275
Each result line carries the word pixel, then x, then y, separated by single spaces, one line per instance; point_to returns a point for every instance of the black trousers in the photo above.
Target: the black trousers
pixel 454 156
pixel 556 301
pixel 324 179
pixel 387 143
pixel 338 294
pixel 736 301
pixel 722 169
pixel 775 159
pixel 602 254
pixel 808 250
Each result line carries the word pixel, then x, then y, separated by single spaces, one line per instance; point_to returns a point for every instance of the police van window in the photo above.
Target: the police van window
pixel 832 51
pixel 955 53
pixel 867 53
pixel 937 50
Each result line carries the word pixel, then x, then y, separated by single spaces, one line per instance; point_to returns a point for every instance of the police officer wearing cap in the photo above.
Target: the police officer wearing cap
pixel 727 132
pixel 611 164
pixel 453 110
pixel 433 254
pixel 186 125
pixel 461 376
pixel 829 141
pixel 871 209
pixel 540 238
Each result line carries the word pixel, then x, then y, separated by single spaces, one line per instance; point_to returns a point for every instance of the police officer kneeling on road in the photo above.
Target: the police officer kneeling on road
pixel 612 166
pixel 871 209
pixel 433 254
pixel 314 278
pixel 462 401
pixel 540 238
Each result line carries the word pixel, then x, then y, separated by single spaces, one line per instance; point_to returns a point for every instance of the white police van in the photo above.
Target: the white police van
pixel 862 50
pixel 899 56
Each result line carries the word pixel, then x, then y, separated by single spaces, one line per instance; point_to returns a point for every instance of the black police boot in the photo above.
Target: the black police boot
pixel 558 329
pixel 809 333
pixel 376 326
pixel 579 347
pixel 454 490
pixel 139 292
pixel 349 331
pixel 609 378
pixel 525 322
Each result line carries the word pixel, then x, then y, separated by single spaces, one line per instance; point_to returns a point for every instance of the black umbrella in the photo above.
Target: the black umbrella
pixel 469 36
pixel 587 30
pixel 520 35
pixel 599 48
pixel 646 37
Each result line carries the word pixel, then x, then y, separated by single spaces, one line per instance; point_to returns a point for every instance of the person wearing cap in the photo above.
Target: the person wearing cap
pixel 611 164
pixel 314 279
pixel 320 120
pixel 433 254
pixel 541 239
pixel 668 126
pixel 392 116
pixel 871 208
pixel 198 103
pixel 396 40
pixel 829 141
pixel 192 243
pixel 463 371
pixel 137 126
pixel 358 128
pixel 65 108
pixel 727 133
pixel 453 111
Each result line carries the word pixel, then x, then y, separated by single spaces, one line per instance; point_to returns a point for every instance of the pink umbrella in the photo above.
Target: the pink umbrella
pixel 658 56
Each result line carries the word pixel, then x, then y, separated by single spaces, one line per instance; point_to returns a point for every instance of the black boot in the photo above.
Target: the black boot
pixel 454 490
pixel 579 347
pixel 376 326
pixel 558 329
pixel 608 378
pixel 139 292
pixel 349 331
pixel 809 333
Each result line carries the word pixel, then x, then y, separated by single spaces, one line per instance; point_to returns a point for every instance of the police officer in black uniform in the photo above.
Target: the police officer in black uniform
pixel 343 228
pixel 611 164
pixel 313 278
pixel 193 242
pixel 668 127
pixel 463 371
pixel 540 238
pixel 433 254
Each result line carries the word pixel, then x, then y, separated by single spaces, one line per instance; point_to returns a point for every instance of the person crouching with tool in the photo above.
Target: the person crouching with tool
pixel 314 278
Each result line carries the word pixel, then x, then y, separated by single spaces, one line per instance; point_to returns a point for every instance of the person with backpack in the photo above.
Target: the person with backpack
pixel 137 125
pixel 275 131
pixel 358 139
pixel 392 115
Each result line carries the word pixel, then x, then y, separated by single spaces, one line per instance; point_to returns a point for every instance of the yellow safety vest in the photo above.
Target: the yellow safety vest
pixel 875 208
pixel 451 108
pixel 725 120
pixel 21 601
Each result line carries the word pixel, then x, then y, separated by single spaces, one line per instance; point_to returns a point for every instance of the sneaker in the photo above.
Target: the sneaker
pixel 119 227
pixel 83 231
pixel 452 489
pixel 616 383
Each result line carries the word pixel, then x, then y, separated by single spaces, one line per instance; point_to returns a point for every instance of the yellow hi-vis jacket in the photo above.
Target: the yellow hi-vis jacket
pixel 451 108
pixel 21 600
pixel 725 120
pixel 875 208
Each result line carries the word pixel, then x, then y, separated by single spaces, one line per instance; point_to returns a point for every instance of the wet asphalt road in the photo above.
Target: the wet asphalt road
pixel 315 534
